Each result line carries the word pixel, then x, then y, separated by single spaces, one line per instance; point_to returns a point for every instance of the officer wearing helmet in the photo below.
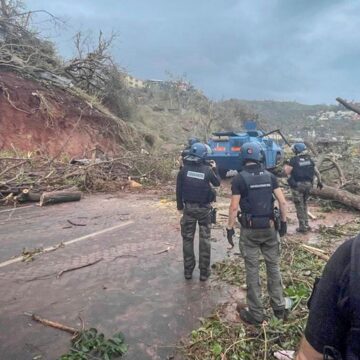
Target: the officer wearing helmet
pixel 186 151
pixel 301 170
pixel 253 189
pixel 194 195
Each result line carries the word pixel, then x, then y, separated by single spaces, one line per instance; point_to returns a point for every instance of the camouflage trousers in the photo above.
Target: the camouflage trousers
pixel 267 242
pixel 300 196
pixel 193 214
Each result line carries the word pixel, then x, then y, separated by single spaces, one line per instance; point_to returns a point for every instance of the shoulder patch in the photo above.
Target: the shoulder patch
pixel 195 175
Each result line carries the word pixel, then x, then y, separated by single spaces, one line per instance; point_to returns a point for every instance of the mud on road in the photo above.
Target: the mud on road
pixel 137 287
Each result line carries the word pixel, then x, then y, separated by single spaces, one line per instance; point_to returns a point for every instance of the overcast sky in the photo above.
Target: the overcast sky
pixel 302 50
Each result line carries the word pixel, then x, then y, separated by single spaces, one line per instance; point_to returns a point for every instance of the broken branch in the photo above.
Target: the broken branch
pixel 53 324
pixel 319 253
pixel 78 267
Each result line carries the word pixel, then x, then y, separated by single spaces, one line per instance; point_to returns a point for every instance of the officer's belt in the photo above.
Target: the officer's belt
pixel 204 205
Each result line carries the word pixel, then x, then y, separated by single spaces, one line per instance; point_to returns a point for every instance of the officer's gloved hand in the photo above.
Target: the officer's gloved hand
pixel 320 185
pixel 230 233
pixel 283 228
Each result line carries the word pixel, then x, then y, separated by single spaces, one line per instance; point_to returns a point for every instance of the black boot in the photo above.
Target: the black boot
pixel 188 275
pixel 204 274
pixel 246 316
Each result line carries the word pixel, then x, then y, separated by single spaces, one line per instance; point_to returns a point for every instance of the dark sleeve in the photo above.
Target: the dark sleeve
pixel 292 161
pixel 238 186
pixel 179 200
pixel 214 177
pixel 327 323
pixel 274 182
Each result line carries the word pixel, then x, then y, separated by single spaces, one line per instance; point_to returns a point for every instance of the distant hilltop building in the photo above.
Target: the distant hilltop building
pixel 133 82
pixel 156 84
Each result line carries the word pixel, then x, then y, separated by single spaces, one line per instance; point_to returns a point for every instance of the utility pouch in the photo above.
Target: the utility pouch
pixel 277 219
pixel 244 220
pixel 251 222
pixel 212 195
pixel 213 215
pixel 261 222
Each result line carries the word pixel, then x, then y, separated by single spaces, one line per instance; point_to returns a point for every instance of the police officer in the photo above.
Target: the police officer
pixel 253 189
pixel 333 327
pixel 186 151
pixel 301 170
pixel 194 195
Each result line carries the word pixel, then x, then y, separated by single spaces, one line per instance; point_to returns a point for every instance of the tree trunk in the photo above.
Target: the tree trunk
pixel 55 197
pixel 28 195
pixel 341 196
pixel 349 106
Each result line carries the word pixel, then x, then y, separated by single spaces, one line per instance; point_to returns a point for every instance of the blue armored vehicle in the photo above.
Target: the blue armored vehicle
pixel 226 147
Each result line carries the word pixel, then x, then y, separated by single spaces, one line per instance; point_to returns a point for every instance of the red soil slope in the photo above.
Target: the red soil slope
pixel 34 117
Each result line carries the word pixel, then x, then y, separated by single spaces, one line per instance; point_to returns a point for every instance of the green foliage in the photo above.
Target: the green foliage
pixel 216 339
pixel 89 344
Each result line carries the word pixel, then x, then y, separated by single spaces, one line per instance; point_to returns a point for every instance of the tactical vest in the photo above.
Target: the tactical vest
pixel 257 205
pixel 195 184
pixel 303 169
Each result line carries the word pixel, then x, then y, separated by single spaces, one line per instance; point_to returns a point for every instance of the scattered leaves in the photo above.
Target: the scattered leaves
pixel 89 344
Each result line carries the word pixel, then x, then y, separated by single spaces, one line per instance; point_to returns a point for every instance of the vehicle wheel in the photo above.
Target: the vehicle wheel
pixel 222 173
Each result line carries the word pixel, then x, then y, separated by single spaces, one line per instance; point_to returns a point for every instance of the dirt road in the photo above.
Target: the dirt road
pixel 136 285
pixel 135 288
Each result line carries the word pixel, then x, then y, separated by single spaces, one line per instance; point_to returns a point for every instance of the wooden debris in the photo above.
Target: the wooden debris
pixel 311 216
pixel 163 251
pixel 75 224
pixel 53 324
pixel 341 196
pixel 315 251
pixel 28 195
pixel 78 267
pixel 55 197
pixel 134 184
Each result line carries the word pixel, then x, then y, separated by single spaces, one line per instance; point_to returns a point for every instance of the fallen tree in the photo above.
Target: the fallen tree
pixel 352 107
pixel 341 196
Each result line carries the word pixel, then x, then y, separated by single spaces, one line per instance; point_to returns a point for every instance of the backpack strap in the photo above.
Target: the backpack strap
pixel 354 335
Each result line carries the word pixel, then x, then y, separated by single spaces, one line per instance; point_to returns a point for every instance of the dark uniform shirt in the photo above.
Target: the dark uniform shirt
pixel 329 318
pixel 238 185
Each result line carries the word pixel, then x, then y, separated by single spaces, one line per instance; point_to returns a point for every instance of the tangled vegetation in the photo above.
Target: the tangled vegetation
pixel 218 339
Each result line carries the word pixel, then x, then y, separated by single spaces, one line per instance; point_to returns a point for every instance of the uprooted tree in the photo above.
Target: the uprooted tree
pixel 92 69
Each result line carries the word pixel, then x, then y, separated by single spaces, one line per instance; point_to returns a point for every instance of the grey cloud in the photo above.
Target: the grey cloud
pixel 301 50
